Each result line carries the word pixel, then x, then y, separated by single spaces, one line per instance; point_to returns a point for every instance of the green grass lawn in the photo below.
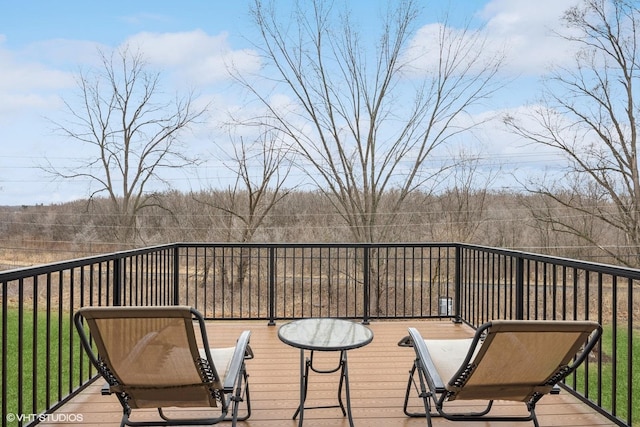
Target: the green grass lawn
pixel 615 392
pixel 39 389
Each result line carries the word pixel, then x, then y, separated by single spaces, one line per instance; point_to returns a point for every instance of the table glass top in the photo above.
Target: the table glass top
pixel 325 334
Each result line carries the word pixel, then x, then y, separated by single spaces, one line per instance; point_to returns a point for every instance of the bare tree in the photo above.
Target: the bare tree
pixel 464 203
pixel 588 113
pixel 130 130
pixel 364 123
pixel 261 169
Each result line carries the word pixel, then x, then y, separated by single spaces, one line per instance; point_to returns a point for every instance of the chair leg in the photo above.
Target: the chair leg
pixel 410 382
pixel 472 416
pixel 432 400
pixel 125 419
pixel 423 393
pixel 241 395
pixel 126 411
pixel 532 410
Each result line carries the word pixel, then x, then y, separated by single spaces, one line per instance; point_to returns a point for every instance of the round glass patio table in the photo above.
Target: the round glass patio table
pixel 324 334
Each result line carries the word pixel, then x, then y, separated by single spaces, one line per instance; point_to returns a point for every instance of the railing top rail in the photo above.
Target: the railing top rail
pixel 317 245
pixel 17 273
pixel 632 273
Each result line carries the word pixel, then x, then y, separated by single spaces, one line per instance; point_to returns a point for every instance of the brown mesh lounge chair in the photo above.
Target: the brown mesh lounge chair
pixel 506 360
pixel 150 359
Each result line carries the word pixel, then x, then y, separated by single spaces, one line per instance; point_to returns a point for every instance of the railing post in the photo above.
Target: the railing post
pixel 519 288
pixel 117 282
pixel 176 275
pixel 366 294
pixel 458 285
pixel 272 286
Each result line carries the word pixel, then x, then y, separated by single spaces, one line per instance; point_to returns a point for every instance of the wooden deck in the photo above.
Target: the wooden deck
pixel 378 377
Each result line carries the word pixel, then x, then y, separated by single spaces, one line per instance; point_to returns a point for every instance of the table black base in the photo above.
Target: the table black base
pixel 305 367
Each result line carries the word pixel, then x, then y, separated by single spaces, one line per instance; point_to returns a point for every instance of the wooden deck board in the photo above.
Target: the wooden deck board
pixel 378 376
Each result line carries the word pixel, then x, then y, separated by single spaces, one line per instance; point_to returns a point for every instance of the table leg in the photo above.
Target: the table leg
pixel 345 376
pixel 304 373
pixel 305 365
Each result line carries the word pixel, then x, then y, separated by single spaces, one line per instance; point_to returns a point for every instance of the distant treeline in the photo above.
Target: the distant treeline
pixel 500 219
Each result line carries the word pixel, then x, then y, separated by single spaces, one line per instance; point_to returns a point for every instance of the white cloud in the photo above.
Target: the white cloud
pixel 65 53
pixel 467 49
pixel 13 102
pixel 525 30
pixel 27 85
pixel 527 27
pixel 515 155
pixel 195 55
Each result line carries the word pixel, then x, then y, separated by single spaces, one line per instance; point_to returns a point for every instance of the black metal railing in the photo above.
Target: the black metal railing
pixel 273 282
pixel 503 284
pixel 42 365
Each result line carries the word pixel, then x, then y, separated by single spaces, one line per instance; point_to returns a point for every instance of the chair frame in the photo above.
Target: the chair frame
pixel 434 392
pixel 233 391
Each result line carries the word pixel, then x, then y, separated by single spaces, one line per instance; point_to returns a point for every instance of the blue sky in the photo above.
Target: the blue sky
pixel 43 43
pixel 112 22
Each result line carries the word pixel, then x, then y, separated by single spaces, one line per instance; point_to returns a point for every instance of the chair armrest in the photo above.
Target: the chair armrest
pixel 237 361
pixel 423 356
pixel 405 342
